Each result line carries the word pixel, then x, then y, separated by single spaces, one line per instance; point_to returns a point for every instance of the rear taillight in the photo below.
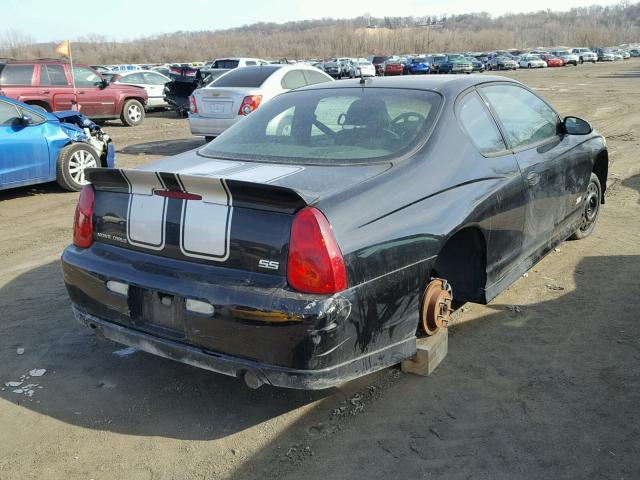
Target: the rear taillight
pixel 193 106
pixel 83 221
pixel 315 261
pixel 249 104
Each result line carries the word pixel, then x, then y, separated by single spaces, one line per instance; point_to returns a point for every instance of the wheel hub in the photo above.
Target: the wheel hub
pixel 435 310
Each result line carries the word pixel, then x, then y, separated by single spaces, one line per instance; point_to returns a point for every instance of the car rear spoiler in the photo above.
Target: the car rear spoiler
pixel 210 189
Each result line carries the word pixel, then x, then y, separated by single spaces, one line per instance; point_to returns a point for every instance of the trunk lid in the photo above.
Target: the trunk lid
pixel 222 102
pixel 218 212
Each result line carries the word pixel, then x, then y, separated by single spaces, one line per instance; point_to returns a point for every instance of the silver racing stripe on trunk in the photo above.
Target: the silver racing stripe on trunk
pixel 205 225
pixel 264 173
pixel 146 212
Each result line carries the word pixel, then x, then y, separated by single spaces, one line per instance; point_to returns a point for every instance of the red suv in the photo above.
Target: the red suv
pixel 47 84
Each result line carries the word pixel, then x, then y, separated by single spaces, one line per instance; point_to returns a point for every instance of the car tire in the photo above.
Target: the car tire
pixel 71 164
pixel 591 209
pixel 132 113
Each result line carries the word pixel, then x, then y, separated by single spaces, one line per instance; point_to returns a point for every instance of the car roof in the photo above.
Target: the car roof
pixel 445 84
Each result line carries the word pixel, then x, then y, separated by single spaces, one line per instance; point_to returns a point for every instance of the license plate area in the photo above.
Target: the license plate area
pixel 160 312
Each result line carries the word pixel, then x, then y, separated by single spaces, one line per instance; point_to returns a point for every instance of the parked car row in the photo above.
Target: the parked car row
pixel 468 62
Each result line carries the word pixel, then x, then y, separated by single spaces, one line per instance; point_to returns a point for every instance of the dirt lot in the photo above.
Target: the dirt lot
pixel 542 383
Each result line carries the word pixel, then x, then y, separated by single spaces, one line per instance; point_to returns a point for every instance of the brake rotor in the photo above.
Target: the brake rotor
pixel 435 310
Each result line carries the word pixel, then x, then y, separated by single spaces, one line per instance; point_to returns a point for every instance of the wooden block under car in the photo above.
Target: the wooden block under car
pixel 430 352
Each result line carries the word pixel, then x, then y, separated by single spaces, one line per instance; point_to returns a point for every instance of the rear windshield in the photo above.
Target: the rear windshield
pixel 16 74
pixel 226 64
pixel 248 77
pixel 327 126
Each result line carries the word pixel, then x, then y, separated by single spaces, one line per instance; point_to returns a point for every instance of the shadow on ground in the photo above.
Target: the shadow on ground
pixel 32 191
pixel 164 148
pixel 88 386
pixel 633 182
pixel 549 391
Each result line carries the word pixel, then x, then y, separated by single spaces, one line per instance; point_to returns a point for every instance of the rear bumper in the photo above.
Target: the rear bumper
pixel 236 366
pixel 285 338
pixel 210 126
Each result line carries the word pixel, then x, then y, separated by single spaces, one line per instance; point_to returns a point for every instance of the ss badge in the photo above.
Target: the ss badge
pixel 271 265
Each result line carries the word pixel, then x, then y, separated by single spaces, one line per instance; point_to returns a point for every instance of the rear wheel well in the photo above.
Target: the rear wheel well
pixel 601 169
pixel 462 262
pixel 41 104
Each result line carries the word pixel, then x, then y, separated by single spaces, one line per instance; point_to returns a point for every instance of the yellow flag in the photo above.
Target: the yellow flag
pixel 64 48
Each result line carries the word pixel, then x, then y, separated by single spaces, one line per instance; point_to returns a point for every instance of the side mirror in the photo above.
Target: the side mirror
pixel 26 119
pixel 104 83
pixel 576 126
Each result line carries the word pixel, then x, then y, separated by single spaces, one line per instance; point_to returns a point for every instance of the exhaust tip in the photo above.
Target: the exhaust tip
pixel 251 380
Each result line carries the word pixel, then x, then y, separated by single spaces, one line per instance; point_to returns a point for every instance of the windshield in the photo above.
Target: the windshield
pixel 226 63
pixel 326 126
pixel 245 77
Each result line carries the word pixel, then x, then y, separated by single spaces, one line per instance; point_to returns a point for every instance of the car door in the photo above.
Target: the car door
pixel 154 85
pixel 551 166
pixel 506 216
pixel 93 99
pixel 24 152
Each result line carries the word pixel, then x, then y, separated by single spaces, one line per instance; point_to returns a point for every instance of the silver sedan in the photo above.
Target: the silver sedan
pixel 152 82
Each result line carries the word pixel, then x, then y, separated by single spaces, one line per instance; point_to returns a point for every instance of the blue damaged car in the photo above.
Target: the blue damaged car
pixel 37 146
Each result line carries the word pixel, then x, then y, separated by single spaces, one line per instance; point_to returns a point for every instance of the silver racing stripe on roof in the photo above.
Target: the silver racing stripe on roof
pixel 146 212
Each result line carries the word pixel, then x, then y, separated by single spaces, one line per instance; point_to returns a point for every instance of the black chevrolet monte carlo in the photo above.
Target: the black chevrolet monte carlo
pixel 315 240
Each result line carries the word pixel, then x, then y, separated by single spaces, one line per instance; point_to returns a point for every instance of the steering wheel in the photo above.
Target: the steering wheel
pixel 406 117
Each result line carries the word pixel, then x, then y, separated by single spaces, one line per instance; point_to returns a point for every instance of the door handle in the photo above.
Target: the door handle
pixel 45 92
pixel 533 178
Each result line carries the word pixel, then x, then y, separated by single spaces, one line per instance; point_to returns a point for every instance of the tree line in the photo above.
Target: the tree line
pixel 360 36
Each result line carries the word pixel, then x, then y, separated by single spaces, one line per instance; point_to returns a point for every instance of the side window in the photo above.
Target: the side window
pixel 134 78
pixel 293 79
pixel 527 120
pixel 315 77
pixel 53 75
pixel 16 74
pixel 250 63
pixel 479 124
pixel 8 114
pixel 85 77
pixel 154 79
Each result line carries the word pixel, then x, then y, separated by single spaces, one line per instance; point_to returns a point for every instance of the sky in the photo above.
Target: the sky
pixel 50 20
